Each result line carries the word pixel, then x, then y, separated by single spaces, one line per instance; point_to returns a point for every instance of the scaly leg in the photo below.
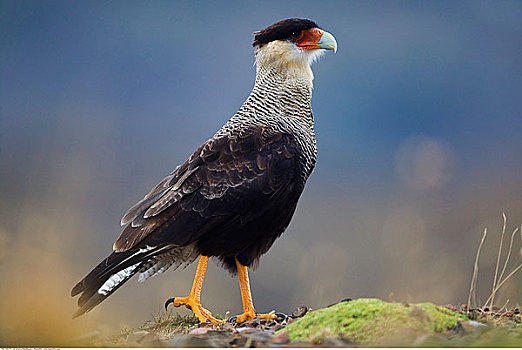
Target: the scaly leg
pixel 248 307
pixel 193 301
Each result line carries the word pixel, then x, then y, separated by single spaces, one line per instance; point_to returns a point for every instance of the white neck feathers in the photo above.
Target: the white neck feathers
pixel 286 60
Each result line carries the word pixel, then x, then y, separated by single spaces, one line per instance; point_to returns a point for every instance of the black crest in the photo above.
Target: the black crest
pixel 282 30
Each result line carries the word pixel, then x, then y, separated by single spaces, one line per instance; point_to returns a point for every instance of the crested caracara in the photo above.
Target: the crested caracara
pixel 237 192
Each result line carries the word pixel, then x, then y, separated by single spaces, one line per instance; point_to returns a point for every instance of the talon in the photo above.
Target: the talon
pixel 193 304
pixel 169 301
pixel 193 300
pixel 232 319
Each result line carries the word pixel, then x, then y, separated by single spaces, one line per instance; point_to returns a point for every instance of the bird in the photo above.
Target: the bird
pixel 237 193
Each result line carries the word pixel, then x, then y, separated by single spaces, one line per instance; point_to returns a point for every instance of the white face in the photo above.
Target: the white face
pixel 287 54
pixel 308 56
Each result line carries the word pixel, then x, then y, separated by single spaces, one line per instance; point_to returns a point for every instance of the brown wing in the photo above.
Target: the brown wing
pixel 214 189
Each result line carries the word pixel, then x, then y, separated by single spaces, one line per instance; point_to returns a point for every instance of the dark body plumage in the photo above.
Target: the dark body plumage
pixel 231 199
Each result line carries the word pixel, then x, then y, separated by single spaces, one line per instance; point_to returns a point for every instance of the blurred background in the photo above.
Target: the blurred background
pixel 418 121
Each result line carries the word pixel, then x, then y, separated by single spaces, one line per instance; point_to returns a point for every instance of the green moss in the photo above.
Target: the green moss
pixel 373 322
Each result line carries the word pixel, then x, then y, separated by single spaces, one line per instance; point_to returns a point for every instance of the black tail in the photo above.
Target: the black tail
pixel 108 276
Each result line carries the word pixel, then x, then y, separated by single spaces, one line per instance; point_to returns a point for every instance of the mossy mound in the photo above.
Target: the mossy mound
pixel 373 322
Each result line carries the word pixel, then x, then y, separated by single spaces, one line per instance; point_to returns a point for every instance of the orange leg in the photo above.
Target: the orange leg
pixel 193 301
pixel 248 307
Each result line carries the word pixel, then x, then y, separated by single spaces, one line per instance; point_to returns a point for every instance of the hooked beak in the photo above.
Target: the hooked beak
pixel 316 38
pixel 327 42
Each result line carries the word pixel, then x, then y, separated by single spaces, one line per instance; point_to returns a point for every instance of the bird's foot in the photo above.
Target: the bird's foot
pixel 250 315
pixel 194 304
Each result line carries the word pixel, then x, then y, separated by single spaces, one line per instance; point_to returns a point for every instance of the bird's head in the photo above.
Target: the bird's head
pixel 292 42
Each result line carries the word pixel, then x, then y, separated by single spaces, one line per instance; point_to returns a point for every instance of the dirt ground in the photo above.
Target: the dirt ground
pixel 476 327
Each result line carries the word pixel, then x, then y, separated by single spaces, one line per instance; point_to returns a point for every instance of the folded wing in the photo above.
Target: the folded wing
pixel 229 181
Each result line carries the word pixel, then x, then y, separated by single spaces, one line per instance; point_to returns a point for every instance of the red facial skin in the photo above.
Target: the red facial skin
pixel 309 39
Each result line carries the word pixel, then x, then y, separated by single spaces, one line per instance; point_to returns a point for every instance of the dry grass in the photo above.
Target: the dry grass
pixel 472 294
pixel 167 324
pixel 164 325
pixel 498 280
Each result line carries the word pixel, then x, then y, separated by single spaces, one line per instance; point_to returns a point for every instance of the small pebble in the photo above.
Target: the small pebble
pixel 188 341
pixel 199 331
pixel 299 311
pixel 468 326
pixel 276 327
pixel 253 322
pixel 450 307
pixel 509 313
pixel 260 337
pixel 246 330
pixel 281 338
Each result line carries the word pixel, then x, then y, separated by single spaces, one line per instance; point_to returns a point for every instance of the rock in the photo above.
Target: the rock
pixel 246 330
pixel 299 311
pixel 469 326
pixel 476 324
pixel 276 327
pixel 259 338
pixel 190 341
pixel 253 322
pixel 509 313
pixel 451 307
pixel 238 341
pixel 281 338
pixel 199 331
